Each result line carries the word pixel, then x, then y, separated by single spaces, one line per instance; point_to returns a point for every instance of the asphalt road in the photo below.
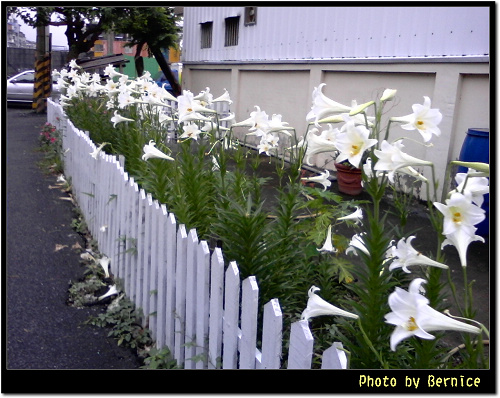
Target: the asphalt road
pixel 41 331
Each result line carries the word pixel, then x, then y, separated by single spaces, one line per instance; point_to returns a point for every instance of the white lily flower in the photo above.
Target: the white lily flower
pixel 321 179
pixel 265 147
pixel 275 124
pixel 111 72
pixel 104 263
pixel 391 158
pixel 223 98
pixel 473 188
pixel 461 239
pixel 228 118
pixel 357 243
pixel 187 105
pixel 191 130
pixel 459 212
pixel 328 246
pixel 388 95
pixel 412 316
pixel 87 256
pixel 357 216
pixel 317 144
pixel 316 306
pixel 112 290
pixel 150 151
pixel 460 216
pixel 74 65
pixel 353 143
pixel 118 119
pixel 405 255
pixel 205 97
pixel 324 106
pixel 95 153
pixel 423 119
pixel 412 172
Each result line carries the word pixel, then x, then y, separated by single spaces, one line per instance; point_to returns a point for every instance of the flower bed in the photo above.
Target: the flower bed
pixel 189 156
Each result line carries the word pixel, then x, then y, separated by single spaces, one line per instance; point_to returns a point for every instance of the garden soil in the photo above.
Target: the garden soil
pixel 42 331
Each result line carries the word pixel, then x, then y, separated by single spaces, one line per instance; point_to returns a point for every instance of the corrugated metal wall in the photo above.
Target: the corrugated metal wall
pixel 306 33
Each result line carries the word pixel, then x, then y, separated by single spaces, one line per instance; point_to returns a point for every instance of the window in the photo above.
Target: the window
pixel 206 34
pixel 231 37
pixel 250 16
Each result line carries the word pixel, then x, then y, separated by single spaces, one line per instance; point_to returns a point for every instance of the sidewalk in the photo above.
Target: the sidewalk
pixel 42 332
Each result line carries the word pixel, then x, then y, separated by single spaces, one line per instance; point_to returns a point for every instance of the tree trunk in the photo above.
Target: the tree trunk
pixel 139 61
pixel 162 62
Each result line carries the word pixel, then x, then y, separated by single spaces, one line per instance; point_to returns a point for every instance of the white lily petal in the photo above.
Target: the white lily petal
pixel 316 306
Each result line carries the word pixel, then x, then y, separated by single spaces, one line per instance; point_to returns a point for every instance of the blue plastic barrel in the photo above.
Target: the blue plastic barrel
pixel 476 148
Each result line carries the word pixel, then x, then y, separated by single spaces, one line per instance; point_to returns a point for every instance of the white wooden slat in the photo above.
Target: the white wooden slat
pixel 146 258
pixel 129 235
pixel 170 303
pixel 202 303
pixel 334 357
pixel 156 263
pixel 301 346
pixel 161 286
pixel 139 271
pixel 272 335
pixel 112 212
pixel 180 294
pixel 120 220
pixel 216 310
pixel 230 329
pixel 191 300
pixel 249 310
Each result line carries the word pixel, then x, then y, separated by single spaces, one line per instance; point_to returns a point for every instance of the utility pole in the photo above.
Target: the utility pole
pixel 43 78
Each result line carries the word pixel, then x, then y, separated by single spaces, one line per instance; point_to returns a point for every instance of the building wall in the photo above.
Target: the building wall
pixel 286 33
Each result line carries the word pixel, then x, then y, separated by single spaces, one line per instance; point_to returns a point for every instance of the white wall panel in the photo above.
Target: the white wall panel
pixel 301 33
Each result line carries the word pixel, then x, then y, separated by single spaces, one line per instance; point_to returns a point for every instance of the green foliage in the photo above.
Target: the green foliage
pixel 159 359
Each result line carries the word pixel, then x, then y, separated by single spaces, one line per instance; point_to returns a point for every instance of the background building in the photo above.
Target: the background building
pixel 275 56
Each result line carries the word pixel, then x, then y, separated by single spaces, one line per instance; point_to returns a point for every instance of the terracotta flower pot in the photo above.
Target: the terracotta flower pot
pixel 349 179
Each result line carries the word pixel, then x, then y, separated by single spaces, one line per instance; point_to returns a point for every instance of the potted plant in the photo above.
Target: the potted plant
pixel 349 178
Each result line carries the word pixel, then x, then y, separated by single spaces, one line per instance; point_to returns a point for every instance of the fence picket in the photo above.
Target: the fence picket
pixel 301 346
pixel 249 309
pixel 334 357
pixel 139 271
pixel 231 314
pixel 190 327
pixel 202 303
pixel 131 238
pixel 271 336
pixel 156 263
pixel 171 252
pixel 180 294
pixel 146 257
pixel 216 310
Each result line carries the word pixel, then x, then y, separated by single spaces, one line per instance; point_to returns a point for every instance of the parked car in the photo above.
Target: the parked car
pixel 20 87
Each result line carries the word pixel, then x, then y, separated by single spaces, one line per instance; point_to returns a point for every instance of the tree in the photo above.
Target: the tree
pixel 155 27
pixel 84 24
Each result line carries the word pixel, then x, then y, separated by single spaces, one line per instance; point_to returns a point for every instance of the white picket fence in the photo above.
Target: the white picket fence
pixel 192 303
